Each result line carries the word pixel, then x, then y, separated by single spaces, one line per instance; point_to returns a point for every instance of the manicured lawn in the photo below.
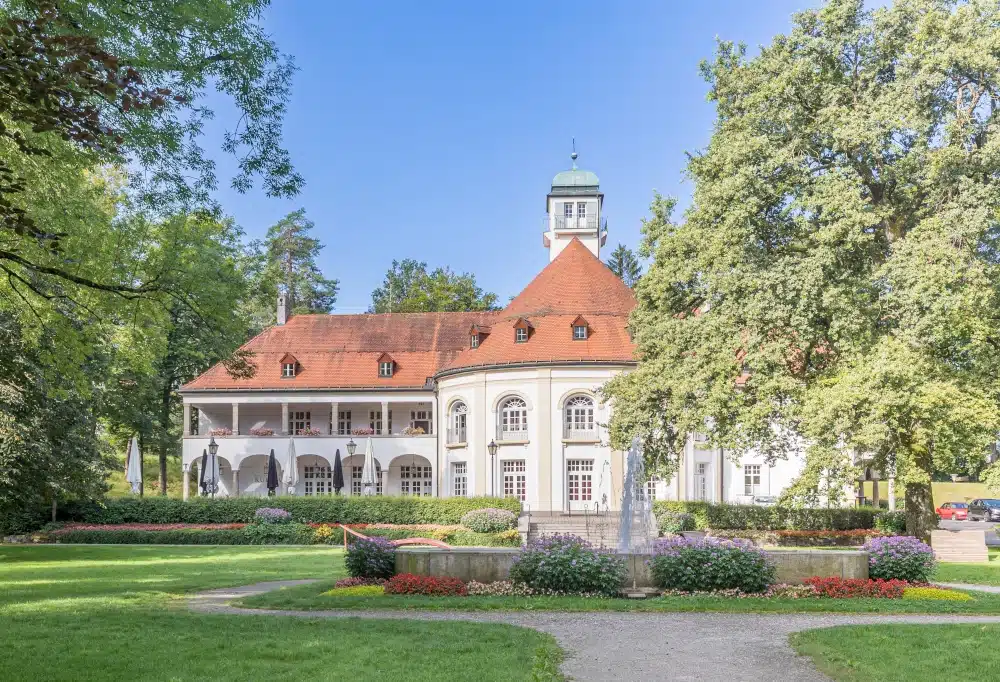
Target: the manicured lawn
pixel 117 613
pixel 903 652
pixel 309 598
pixel 979 574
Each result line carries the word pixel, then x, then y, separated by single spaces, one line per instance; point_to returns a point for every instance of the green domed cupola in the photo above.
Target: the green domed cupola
pixel 574 209
pixel 575 178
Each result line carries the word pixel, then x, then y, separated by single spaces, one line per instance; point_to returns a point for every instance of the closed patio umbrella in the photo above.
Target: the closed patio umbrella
pixel 291 468
pixel 201 472
pixel 368 472
pixel 272 474
pixel 133 470
pixel 338 473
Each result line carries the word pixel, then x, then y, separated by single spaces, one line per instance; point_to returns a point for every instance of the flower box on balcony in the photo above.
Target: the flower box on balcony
pixel 360 431
pixel 222 431
pixel 309 432
pixel 413 431
pixel 261 432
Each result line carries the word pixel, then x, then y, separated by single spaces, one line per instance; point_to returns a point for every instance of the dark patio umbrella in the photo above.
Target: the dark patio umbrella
pixel 338 473
pixel 201 472
pixel 272 474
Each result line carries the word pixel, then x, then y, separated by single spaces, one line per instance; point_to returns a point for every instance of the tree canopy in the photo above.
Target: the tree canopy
pixel 623 262
pixel 835 282
pixel 409 288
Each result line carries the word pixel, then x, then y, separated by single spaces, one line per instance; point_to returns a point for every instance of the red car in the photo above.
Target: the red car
pixel 953 511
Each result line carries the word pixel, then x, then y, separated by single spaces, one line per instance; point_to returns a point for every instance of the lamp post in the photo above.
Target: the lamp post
pixel 492 447
pixel 213 450
pixel 351 447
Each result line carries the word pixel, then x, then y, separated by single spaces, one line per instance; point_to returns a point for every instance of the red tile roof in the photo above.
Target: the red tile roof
pixel 342 351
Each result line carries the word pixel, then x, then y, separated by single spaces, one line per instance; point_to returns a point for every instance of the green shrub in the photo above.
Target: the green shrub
pixel 489 520
pixel 153 537
pixel 333 509
pixel 278 534
pixel 374 558
pixel 568 564
pixel 674 523
pixel 710 565
pixel 901 557
pixel 754 517
pixel 893 522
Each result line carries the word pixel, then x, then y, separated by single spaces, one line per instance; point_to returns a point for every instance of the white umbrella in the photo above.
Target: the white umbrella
pixel 291 468
pixel 133 471
pixel 368 471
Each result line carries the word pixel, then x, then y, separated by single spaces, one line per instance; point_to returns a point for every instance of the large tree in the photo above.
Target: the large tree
pixel 409 288
pixel 623 262
pixel 835 282
pixel 285 261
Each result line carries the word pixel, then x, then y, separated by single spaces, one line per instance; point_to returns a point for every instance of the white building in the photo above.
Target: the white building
pixel 435 390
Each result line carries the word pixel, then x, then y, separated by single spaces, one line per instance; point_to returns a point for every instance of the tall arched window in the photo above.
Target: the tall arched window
pixel 457 423
pixel 513 424
pixel 579 422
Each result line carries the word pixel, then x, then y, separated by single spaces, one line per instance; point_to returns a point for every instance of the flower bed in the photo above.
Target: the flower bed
pixel 354 582
pixel 489 520
pixel 935 593
pixel 710 564
pixel 371 558
pixel 568 564
pixel 852 588
pixel 272 515
pixel 407 583
pixel 800 538
pixel 900 558
pixel 356 591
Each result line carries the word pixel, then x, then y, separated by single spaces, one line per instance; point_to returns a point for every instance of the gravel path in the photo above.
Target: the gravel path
pixel 617 646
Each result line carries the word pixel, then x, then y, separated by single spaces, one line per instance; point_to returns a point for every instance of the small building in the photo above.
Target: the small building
pixel 434 391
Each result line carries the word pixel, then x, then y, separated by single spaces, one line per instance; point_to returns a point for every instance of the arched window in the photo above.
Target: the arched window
pixel 580 418
pixel 457 423
pixel 513 417
pixel 358 471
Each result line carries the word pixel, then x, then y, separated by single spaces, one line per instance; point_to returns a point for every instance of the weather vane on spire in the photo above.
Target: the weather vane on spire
pixel 574 154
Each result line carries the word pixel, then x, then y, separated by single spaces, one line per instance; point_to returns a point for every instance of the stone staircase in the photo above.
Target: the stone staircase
pixel 967 546
pixel 598 529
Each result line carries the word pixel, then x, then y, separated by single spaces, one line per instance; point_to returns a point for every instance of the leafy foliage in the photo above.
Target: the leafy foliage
pixel 489 520
pixel 892 522
pixel 900 558
pixel 624 263
pixel 709 564
pixel 371 558
pixel 409 288
pixel 834 286
pixel 673 523
pixel 754 517
pixel 568 564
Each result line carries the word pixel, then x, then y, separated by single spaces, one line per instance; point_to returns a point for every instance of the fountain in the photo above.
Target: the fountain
pixel 637 527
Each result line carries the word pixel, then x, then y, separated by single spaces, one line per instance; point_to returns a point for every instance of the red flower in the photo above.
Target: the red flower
pixel 407 583
pixel 851 588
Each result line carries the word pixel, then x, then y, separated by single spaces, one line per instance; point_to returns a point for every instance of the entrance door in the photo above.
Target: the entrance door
pixel 580 483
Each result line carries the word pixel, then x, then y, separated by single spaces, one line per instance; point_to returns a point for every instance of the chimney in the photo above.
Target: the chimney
pixel 283 312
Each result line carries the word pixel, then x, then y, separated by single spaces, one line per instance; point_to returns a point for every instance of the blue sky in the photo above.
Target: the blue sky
pixel 432 130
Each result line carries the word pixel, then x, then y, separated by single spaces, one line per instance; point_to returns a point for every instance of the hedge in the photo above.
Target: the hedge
pixel 298 535
pixel 755 517
pixel 334 509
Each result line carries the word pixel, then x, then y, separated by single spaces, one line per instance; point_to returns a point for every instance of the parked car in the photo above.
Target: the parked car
pixel 953 511
pixel 984 510
pixel 765 500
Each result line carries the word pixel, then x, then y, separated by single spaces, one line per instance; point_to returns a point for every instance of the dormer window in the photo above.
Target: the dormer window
pixel 289 366
pixel 476 334
pixel 522 329
pixel 474 341
pixel 386 366
pixel 579 332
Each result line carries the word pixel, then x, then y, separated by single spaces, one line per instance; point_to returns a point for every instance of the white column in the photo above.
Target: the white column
pixel 284 419
pixel 236 482
pixel 236 419
pixel 187 419
pixel 434 425
pixel 385 480
pixel 334 409
pixel 385 421
pixel 186 476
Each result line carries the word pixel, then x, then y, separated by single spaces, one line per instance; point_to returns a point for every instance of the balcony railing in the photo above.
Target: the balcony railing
pixel 456 436
pixel 507 433
pixel 579 433
pixel 575 223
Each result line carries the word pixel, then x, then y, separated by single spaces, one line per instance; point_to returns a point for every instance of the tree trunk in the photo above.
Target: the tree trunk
pixel 165 405
pixel 920 516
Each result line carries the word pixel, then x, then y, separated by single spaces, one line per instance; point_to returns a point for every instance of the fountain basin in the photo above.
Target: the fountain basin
pixel 489 564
